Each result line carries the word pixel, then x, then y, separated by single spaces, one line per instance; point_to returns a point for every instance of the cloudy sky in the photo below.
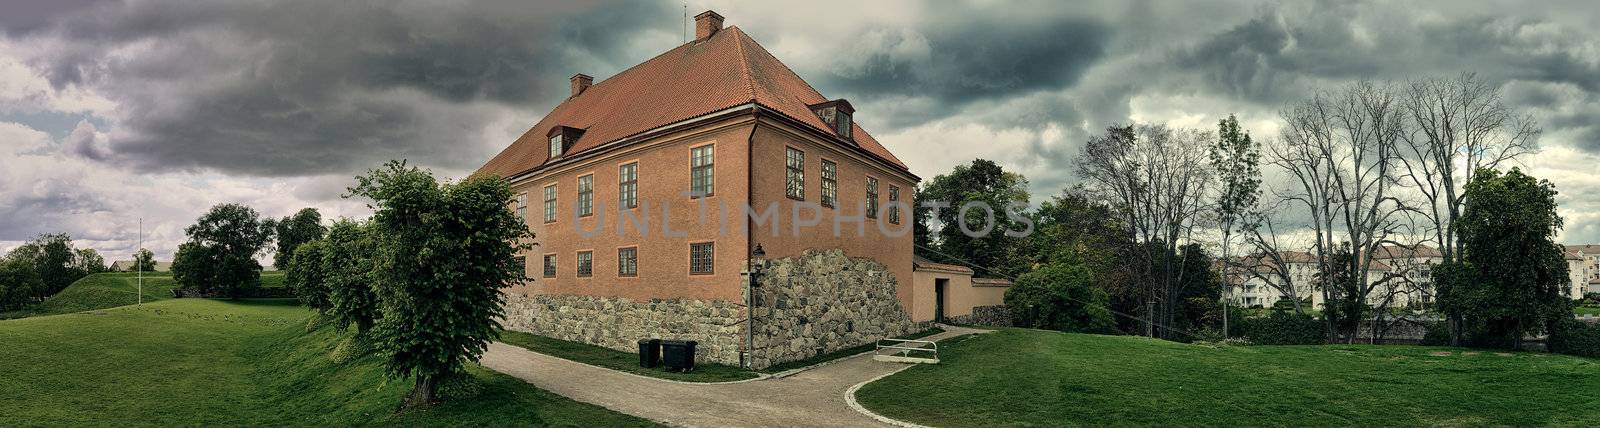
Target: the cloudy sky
pixel 115 110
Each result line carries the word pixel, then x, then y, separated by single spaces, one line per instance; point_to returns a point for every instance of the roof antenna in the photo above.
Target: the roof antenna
pixel 686 22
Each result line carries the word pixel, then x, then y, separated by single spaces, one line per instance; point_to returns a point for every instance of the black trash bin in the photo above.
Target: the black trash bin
pixel 678 355
pixel 649 353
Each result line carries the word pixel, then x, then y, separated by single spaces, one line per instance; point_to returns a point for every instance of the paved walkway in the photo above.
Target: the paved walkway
pixel 812 398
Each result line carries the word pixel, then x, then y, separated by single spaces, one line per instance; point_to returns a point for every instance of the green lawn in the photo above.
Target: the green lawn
pixel 195 362
pixel 843 353
pixel 1032 378
pixel 100 291
pixel 619 360
pixel 1586 310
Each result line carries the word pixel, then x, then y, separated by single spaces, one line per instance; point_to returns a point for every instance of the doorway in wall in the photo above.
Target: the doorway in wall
pixel 938 298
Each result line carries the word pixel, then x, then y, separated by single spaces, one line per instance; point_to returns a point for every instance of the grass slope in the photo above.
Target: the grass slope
pixel 113 289
pixel 198 362
pixel 1024 377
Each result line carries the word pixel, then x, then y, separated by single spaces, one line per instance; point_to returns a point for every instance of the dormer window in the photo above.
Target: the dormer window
pixel 836 114
pixel 561 138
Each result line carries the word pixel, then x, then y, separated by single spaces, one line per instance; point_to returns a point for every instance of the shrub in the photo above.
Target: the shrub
pixel 1436 334
pixel 1573 337
pixel 1059 296
pixel 305 276
pixel 347 268
pixel 1285 328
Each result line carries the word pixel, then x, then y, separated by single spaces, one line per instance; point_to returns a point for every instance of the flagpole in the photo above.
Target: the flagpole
pixel 137 265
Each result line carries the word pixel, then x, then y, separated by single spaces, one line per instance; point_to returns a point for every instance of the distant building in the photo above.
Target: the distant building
pixel 1588 264
pixel 127 266
pixel 1405 277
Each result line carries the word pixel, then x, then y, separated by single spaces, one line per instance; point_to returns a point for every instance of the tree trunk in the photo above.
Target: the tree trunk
pixel 424 393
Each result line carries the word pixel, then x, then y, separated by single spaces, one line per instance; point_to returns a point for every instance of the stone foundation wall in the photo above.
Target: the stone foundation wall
pixel 823 301
pixel 819 302
pixel 991 316
pixel 618 324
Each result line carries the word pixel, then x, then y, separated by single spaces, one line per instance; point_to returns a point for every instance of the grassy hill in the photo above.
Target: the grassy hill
pixel 113 289
pixel 1017 377
pixel 234 363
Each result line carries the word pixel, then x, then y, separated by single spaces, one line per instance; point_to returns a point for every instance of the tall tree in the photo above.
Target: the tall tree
pixel 1148 175
pixel 1073 228
pixel 444 252
pixel 1237 162
pixel 1341 149
pixel 989 233
pixel 348 272
pixel 1460 127
pixel 230 235
pixel 89 261
pixel 20 283
pixel 292 231
pixel 305 276
pixel 144 260
pixel 1514 270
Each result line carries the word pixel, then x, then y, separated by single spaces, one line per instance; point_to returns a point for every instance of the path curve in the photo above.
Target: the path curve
pixel 818 397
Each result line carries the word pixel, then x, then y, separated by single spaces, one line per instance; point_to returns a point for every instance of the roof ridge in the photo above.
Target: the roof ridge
pixel 744 60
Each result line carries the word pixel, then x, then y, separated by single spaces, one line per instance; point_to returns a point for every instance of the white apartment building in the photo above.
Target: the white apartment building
pixel 1412 284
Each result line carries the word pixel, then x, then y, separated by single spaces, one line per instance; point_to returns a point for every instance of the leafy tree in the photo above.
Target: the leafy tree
pixel 305 277
pixel 1059 296
pixel 54 262
pixel 19 282
pixel 231 235
pixel 347 265
pixel 89 261
pixel 1002 250
pixel 444 252
pixel 194 266
pixel 144 260
pixel 1237 161
pixel 1509 283
pixel 292 231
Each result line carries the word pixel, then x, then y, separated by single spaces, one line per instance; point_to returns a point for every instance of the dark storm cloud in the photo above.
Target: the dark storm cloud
pixel 291 88
pixel 961 57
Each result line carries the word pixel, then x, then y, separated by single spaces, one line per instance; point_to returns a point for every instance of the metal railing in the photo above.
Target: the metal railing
pixel 907 351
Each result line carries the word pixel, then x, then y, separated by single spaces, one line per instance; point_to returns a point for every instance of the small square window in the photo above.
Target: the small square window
pixel 701 256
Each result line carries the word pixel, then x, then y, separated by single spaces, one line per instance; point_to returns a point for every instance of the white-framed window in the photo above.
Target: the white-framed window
pixel 550 203
pixel 794 173
pixel 522 207
pixel 701 258
pixel 585 263
pixel 830 183
pixel 701 175
pixel 586 195
pixel 628 185
pixel 872 197
pixel 555 146
pixel 628 261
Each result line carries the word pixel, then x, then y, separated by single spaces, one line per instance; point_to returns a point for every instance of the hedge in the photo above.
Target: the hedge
pixel 1285 328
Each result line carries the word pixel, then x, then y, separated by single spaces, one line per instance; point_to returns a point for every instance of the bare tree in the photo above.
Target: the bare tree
pixel 1271 259
pixel 1461 127
pixel 1149 174
pixel 1342 148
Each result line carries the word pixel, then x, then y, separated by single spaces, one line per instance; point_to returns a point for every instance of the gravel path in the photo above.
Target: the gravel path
pixel 812 398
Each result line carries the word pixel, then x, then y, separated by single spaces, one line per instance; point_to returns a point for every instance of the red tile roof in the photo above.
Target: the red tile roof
pixel 728 69
pixel 991 282
pixel 920 263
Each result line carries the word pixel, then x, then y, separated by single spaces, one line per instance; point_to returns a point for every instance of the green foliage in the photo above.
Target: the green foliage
pixel 144 260
pixel 1509 283
pixel 347 268
pixel 444 252
pixel 1284 328
pixel 306 277
pixel 1345 302
pixel 1059 297
pixel 292 231
pixel 89 261
pixel 222 247
pixel 1573 337
pixel 19 283
pixel 1237 160
pixel 997 253
pixel 102 291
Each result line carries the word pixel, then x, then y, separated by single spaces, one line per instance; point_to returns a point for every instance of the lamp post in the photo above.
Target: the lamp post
pixel 753 271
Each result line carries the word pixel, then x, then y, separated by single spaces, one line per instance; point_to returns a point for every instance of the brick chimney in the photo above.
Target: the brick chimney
pixel 580 82
pixel 706 24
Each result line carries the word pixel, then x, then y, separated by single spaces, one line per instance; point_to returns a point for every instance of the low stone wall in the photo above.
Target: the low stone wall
pixel 824 301
pixel 990 316
pixel 819 302
pixel 616 323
